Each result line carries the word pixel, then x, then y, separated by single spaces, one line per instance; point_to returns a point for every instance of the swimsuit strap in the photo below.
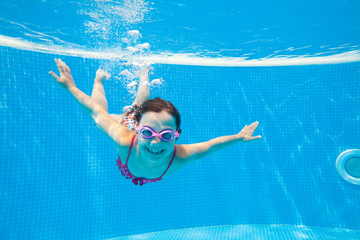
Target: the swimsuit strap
pixel 131 145
pixel 172 159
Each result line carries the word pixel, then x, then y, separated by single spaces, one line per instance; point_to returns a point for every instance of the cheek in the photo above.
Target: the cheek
pixel 142 142
pixel 170 145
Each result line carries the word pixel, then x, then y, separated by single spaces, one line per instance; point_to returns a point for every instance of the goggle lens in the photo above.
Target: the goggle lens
pixel 146 133
pixel 167 135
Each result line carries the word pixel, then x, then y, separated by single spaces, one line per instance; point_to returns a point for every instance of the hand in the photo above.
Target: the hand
pixel 247 132
pixel 101 75
pixel 65 80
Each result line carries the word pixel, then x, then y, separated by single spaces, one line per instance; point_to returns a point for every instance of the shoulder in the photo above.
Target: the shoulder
pixel 182 151
pixel 124 145
pixel 183 155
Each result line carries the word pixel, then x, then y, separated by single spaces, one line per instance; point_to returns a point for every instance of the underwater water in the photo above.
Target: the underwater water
pixel 59 178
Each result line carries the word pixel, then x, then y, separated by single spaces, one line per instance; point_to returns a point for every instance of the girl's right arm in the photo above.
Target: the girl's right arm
pixel 120 134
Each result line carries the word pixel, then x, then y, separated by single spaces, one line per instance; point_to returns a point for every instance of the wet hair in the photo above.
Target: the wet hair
pixel 157 105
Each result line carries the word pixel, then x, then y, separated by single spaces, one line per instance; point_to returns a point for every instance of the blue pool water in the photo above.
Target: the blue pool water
pixel 58 173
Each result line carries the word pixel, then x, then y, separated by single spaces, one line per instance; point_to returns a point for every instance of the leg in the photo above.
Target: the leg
pixel 98 93
pixel 143 92
pixel 142 95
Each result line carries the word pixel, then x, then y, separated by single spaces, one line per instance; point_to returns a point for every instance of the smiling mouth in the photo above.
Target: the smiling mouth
pixel 154 152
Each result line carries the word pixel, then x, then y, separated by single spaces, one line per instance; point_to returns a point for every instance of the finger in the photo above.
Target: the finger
pixel 58 64
pixel 107 75
pixel 253 138
pixel 64 66
pixel 58 61
pixel 61 62
pixel 61 65
pixel 244 128
pixel 54 76
pixel 254 125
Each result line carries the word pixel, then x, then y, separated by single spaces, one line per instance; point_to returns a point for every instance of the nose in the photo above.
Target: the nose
pixel 155 140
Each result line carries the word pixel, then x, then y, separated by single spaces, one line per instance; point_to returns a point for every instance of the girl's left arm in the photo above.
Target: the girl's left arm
pixel 192 152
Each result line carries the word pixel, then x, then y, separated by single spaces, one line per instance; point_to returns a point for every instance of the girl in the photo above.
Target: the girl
pixel 145 134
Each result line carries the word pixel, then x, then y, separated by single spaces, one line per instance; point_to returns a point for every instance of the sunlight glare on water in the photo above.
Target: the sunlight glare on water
pixel 107 18
pixel 187 32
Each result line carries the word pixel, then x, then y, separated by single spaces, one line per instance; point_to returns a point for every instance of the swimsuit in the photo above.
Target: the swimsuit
pixel 136 180
pixel 127 118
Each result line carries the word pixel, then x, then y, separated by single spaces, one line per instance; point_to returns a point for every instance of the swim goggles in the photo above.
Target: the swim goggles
pixel 166 135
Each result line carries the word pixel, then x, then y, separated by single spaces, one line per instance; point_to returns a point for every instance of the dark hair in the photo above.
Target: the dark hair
pixel 157 105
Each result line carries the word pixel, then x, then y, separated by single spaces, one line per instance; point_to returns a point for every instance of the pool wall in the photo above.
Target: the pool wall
pixel 58 173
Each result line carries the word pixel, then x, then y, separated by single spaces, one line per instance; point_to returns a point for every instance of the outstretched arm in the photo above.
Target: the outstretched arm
pixel 192 152
pixel 120 134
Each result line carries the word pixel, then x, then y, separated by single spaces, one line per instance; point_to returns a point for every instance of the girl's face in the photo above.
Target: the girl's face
pixel 154 148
